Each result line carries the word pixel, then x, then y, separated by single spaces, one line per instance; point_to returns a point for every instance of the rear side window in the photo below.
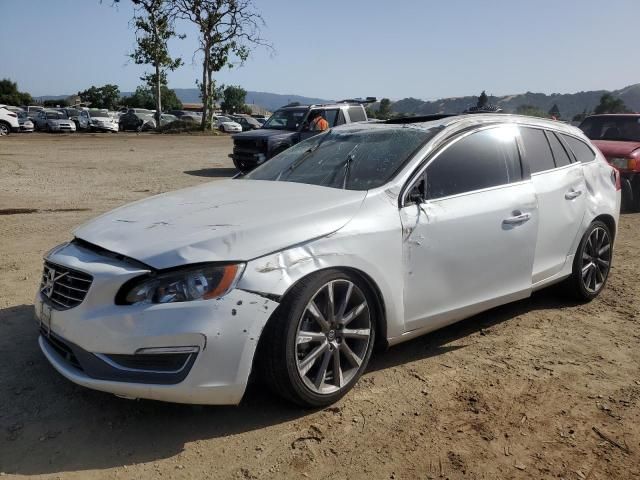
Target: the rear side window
pixel 483 159
pixel 341 120
pixel 580 149
pixel 559 153
pixel 356 114
pixel 536 150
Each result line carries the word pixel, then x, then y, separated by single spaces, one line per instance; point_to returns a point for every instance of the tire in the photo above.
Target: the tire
pixel 241 166
pixel 592 263
pixel 634 205
pixel 5 129
pixel 313 357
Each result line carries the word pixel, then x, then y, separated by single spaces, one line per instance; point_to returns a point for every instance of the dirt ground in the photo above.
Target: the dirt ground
pixel 543 388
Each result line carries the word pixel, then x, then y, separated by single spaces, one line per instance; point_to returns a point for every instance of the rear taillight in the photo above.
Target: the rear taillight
pixel 615 178
pixel 12 114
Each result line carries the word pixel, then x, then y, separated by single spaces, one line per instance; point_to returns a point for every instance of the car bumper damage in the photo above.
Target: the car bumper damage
pixel 198 352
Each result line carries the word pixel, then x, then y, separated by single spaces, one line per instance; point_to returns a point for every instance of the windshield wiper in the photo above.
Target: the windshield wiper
pixel 347 166
pixel 306 154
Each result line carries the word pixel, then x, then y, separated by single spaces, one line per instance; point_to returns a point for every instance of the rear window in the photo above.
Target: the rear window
pixel 536 150
pixel 356 114
pixel 561 156
pixel 580 149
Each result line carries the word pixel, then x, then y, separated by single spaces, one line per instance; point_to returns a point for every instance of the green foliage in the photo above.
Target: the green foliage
pixel 371 113
pixel 153 20
pixel 531 111
pixel 233 99
pixel 610 104
pixel 384 111
pixel 578 117
pixel 107 96
pixel 9 94
pixel 554 111
pixel 228 30
pixel 143 97
pixel 483 100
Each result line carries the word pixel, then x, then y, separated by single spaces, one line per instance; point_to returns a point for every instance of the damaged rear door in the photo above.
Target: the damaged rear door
pixel 469 230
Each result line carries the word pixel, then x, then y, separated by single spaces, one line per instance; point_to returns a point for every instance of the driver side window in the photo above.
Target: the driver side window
pixel 484 159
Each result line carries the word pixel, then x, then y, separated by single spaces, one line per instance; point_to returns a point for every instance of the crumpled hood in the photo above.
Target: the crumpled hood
pixel 224 220
pixel 614 148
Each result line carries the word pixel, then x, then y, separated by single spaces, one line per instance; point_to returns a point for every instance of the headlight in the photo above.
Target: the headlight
pixel 193 283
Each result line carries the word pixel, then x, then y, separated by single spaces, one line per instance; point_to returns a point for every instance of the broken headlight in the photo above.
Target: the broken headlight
pixel 192 283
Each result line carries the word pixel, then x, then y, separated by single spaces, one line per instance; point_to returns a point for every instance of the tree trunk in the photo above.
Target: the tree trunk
pixel 158 97
pixel 204 91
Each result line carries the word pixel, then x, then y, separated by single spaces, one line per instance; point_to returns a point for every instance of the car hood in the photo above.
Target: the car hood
pixel 232 124
pixel 59 121
pixel 264 133
pixel 614 148
pixel 224 220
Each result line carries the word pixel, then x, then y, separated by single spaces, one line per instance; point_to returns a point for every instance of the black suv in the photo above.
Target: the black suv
pixel 288 126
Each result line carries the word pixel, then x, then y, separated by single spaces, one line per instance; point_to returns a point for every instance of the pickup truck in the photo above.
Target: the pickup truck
pixel 288 126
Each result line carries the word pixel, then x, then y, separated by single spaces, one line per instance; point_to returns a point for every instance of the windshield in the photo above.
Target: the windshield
pixel 98 113
pixel 288 119
pixel 224 119
pixel 55 115
pixel 352 158
pixel 612 127
pixel 72 112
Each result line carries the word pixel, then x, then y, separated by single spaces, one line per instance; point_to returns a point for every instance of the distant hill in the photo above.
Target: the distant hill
pixel 569 104
pixel 270 101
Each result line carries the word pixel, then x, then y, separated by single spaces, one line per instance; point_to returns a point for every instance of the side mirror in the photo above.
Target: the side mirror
pixel 417 193
pixel 305 126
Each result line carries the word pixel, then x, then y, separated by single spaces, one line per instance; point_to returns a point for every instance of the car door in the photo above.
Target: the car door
pixel 329 114
pixel 83 120
pixel 559 185
pixel 469 244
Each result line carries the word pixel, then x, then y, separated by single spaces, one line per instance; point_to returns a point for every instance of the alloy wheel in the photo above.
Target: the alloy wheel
pixel 333 337
pixel 4 130
pixel 596 260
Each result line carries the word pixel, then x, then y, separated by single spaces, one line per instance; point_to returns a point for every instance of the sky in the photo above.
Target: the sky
pixel 335 48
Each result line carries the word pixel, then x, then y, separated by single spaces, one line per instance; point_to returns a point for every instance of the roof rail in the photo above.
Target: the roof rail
pixel 421 118
pixel 358 100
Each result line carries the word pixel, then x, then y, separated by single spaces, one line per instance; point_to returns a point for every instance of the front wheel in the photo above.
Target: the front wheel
pixel 321 339
pixel 592 262
pixel 5 129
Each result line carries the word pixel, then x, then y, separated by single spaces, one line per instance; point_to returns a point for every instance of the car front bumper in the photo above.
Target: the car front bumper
pixel 222 335
pixel 104 127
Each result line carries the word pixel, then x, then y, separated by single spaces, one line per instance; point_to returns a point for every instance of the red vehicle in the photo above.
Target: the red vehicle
pixel 618 137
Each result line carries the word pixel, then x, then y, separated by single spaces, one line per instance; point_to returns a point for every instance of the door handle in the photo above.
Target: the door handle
pixel 523 217
pixel 571 194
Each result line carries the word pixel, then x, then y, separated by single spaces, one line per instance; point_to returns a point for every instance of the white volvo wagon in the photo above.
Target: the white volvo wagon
pixel 366 234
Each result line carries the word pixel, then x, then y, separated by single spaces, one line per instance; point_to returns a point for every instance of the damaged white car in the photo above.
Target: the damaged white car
pixel 365 234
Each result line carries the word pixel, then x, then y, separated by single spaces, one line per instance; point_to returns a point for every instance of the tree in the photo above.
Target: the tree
pixel 107 96
pixel 578 117
pixel 233 99
pixel 144 97
pixel 531 111
pixel 611 104
pixel 483 100
pixel 384 111
pixel 153 20
pixel 371 113
pixel 9 94
pixel 228 30
pixel 554 111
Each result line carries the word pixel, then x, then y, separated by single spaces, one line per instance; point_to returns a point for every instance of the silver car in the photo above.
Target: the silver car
pixel 54 121
pixel 369 233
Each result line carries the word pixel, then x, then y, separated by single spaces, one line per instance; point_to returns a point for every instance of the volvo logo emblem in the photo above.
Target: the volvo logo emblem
pixel 49 282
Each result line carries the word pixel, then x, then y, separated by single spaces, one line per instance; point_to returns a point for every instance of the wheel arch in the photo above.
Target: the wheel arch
pixel 610 222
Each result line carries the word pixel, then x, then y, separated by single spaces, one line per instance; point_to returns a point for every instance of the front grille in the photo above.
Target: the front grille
pixel 63 287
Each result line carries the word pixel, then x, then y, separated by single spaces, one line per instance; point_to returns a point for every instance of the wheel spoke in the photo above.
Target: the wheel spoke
pixel 345 302
pixel 311 359
pixel 353 314
pixel 360 333
pixel 586 268
pixel 313 309
pixel 587 281
pixel 307 337
pixel 349 355
pixel 331 315
pixel 322 371
pixel 603 263
pixel 604 249
pixel 338 380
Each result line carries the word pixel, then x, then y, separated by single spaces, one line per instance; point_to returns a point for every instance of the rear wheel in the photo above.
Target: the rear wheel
pixel 5 129
pixel 635 196
pixel 321 339
pixel 592 262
